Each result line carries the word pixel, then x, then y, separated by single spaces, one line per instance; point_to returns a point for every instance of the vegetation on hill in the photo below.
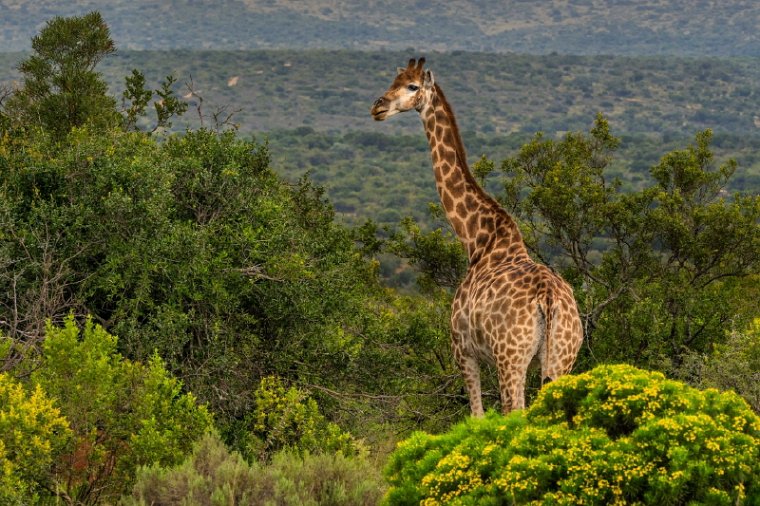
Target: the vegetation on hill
pixel 385 177
pixel 492 93
pixel 315 118
pixel 163 291
pixel 681 27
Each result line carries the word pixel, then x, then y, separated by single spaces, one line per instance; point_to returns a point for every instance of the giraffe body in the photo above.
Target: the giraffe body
pixel 508 309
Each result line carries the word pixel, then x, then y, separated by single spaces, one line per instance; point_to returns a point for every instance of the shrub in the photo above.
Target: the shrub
pixel 614 435
pixel 733 365
pixel 123 414
pixel 286 418
pixel 213 475
pixel 31 430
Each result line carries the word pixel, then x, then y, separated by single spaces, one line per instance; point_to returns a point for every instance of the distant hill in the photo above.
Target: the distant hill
pixel 313 108
pixel 493 94
pixel 621 27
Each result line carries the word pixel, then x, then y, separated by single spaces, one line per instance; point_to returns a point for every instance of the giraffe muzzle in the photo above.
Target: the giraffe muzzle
pixel 379 109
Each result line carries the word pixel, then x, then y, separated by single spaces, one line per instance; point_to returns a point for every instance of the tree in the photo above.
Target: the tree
pixel 61 89
pixel 137 96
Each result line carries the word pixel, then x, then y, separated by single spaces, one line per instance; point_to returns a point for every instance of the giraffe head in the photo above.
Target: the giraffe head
pixel 409 91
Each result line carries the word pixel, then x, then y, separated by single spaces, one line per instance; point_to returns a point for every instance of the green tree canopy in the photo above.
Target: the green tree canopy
pixel 61 88
pixel 664 269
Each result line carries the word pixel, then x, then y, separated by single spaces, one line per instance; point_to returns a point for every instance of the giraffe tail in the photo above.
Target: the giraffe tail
pixel 549 309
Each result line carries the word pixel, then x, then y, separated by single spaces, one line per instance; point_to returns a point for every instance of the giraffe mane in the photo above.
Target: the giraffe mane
pixel 462 155
pixel 458 144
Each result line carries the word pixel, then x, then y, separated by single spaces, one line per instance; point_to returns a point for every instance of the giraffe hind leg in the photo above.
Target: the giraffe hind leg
pixel 513 367
pixel 471 373
pixel 512 386
pixel 556 359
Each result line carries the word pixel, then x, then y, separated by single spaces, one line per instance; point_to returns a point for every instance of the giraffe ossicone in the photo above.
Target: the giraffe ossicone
pixel 508 309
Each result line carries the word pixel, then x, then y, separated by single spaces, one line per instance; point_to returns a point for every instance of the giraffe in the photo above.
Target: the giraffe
pixel 508 309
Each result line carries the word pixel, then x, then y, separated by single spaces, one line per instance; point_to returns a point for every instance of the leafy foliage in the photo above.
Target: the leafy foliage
pixel 61 89
pixel 122 414
pixel 167 105
pixel 286 418
pixel 614 435
pixel 733 365
pixel 212 475
pixel 192 248
pixel 437 255
pixel 32 432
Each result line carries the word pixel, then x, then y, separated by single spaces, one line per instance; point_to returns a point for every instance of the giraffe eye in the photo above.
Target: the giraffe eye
pixel 412 87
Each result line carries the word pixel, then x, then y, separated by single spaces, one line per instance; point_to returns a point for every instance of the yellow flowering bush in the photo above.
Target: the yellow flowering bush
pixel 32 429
pixel 613 435
pixel 287 418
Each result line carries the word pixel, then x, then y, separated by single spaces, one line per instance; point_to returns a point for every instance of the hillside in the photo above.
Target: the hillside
pixel 623 27
pixel 492 94
pixel 313 107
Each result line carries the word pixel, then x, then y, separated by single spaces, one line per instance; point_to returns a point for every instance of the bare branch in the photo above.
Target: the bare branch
pixel 193 93
pixel 221 117
pixel 257 272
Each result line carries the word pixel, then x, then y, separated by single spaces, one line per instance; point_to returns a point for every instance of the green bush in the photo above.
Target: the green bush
pixel 123 414
pixel 733 365
pixel 31 431
pixel 614 435
pixel 286 418
pixel 214 476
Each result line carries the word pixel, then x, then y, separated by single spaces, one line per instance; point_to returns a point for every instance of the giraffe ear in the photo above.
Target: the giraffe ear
pixel 400 70
pixel 429 79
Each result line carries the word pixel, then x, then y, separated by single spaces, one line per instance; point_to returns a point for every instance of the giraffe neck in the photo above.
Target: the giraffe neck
pixel 481 224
